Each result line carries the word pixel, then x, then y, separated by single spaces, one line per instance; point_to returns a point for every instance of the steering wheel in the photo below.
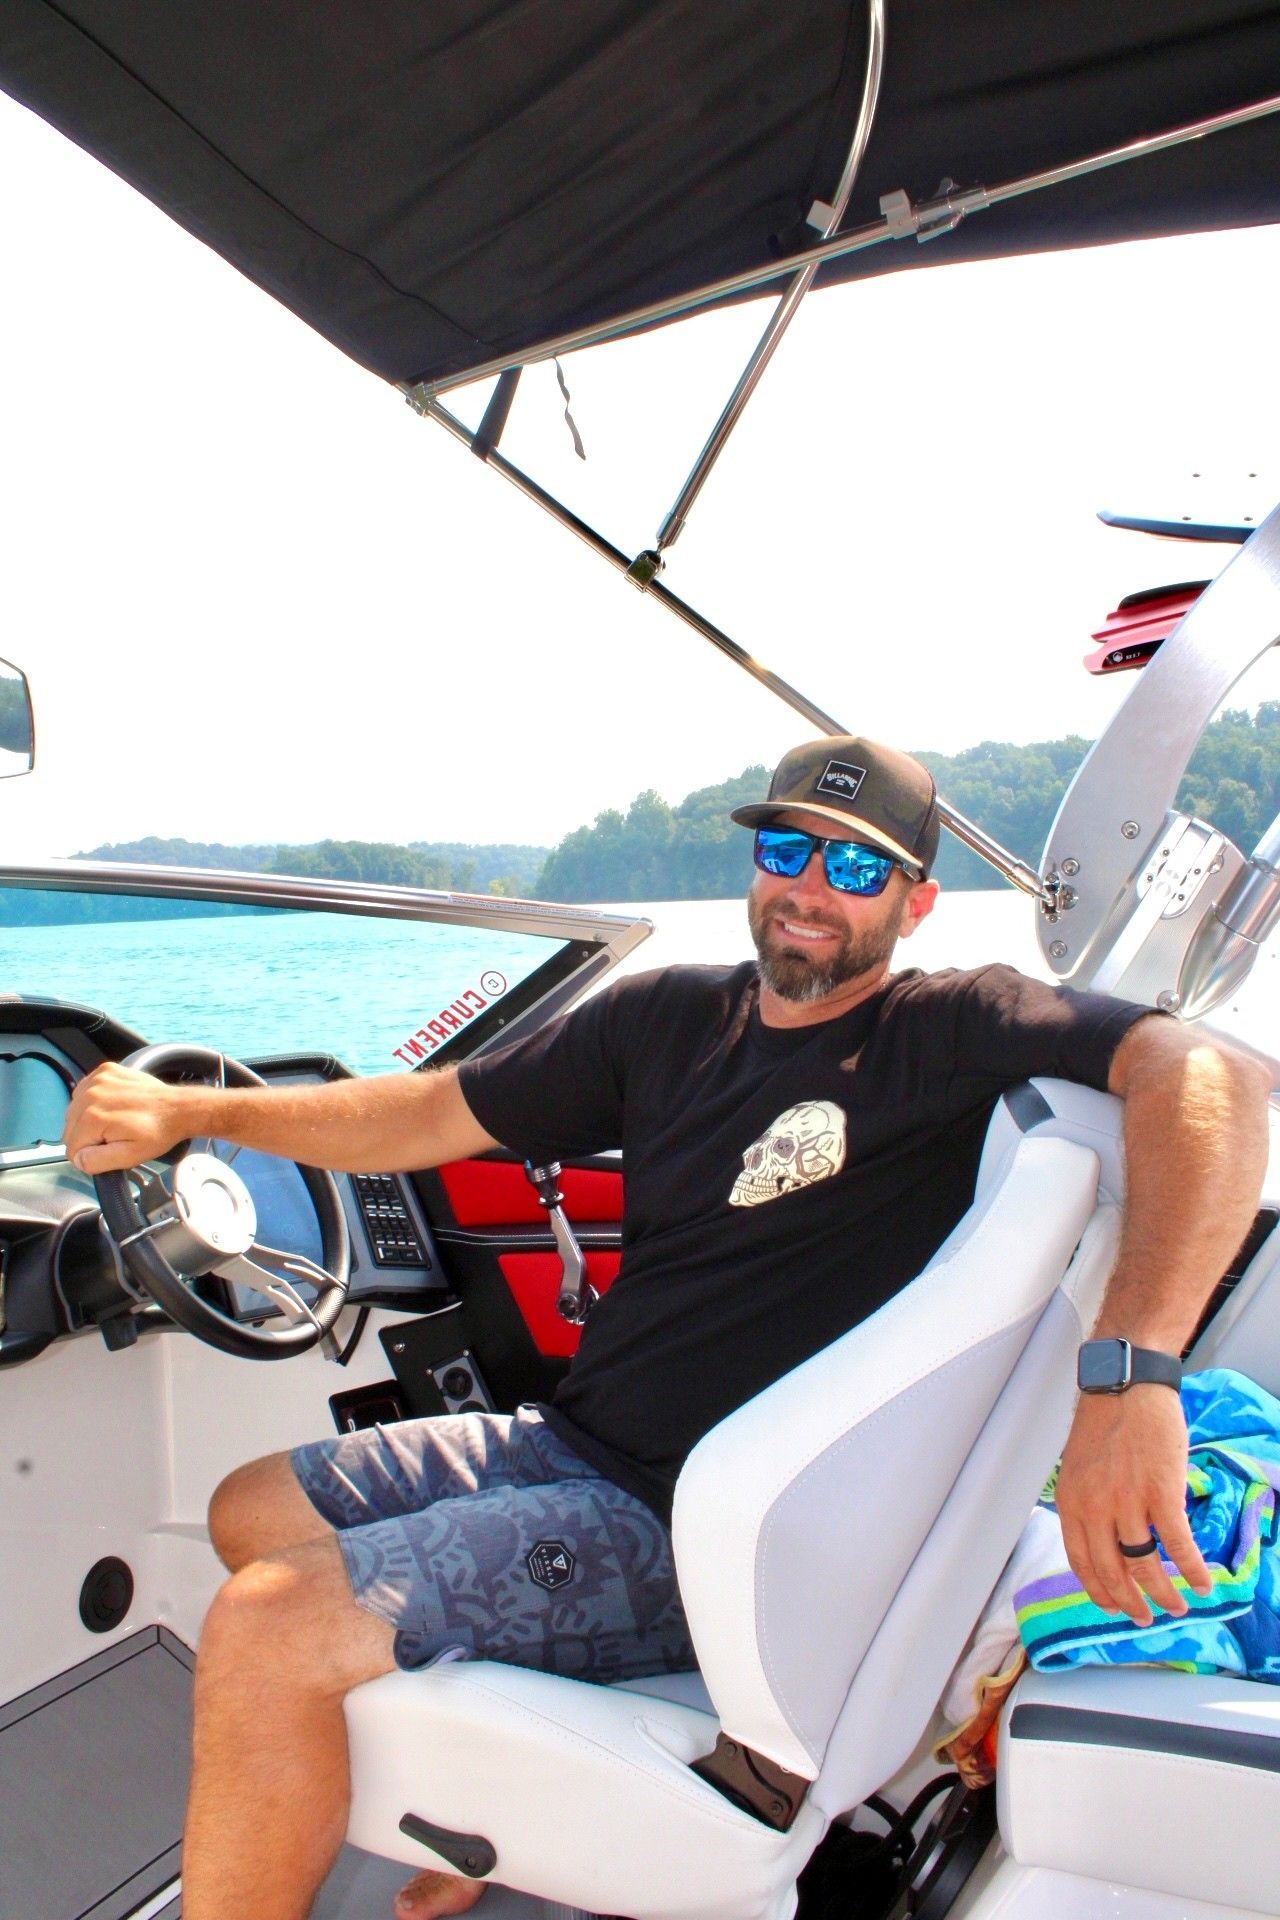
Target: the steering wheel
pixel 207 1225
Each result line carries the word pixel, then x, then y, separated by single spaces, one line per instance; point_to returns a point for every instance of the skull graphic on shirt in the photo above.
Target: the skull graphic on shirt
pixel 805 1144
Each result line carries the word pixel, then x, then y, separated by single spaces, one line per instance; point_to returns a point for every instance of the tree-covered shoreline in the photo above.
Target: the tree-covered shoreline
pixel 693 851
pixel 442 865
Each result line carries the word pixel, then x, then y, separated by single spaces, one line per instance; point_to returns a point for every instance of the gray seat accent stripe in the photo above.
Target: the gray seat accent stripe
pixel 1077 1726
pixel 1028 1107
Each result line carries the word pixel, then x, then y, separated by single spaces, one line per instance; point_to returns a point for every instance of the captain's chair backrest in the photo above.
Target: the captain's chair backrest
pixel 837 1537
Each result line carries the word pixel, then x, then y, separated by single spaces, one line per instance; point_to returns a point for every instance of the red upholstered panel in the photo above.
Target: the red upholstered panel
pixel 534 1280
pixel 495 1193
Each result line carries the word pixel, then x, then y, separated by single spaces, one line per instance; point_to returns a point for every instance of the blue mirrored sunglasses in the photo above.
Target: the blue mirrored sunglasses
pixel 849 866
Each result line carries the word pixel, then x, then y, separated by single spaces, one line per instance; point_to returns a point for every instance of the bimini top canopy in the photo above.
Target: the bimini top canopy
pixel 432 186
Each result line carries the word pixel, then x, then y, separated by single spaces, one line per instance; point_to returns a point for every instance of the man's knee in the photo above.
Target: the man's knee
pixel 288 1623
pixel 258 1509
pixel 233 1511
pixel 251 1612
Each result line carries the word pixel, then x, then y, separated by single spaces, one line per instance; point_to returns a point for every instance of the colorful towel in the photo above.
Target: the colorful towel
pixel 1233 1479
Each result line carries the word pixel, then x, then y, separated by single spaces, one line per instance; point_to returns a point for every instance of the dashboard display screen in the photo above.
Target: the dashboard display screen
pixel 286 1217
pixel 33 1101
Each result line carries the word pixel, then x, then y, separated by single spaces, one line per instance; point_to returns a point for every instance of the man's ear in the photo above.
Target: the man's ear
pixel 917 905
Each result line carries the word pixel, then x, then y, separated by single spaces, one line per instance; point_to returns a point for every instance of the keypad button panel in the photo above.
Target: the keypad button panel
pixel 393 1235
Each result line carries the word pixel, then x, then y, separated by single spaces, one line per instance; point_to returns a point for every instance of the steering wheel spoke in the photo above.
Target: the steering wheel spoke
pixel 276 1287
pixel 285 1267
pixel 225 1150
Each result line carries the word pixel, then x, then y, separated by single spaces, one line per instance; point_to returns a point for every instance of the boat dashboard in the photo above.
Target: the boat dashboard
pixel 61 1273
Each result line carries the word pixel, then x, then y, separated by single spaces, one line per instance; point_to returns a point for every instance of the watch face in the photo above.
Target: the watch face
pixel 1102 1366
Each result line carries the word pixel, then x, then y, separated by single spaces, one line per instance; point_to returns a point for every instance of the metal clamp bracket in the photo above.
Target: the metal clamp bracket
pixel 1187 866
pixel 645 568
pixel 1228 939
pixel 929 218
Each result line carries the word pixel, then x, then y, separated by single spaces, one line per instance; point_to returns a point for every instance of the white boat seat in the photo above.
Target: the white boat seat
pixel 1197 1756
pixel 688 1689
pixel 835 1540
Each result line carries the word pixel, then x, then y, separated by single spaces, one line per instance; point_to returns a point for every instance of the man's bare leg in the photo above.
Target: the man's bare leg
pixel 283 1642
pixel 260 1512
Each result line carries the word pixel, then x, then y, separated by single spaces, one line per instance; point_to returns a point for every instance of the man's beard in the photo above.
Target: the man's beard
pixel 796 975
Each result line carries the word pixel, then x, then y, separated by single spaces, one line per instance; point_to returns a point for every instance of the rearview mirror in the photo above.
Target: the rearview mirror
pixel 17 725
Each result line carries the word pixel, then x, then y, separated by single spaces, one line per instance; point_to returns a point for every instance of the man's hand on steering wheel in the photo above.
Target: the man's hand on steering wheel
pixel 118 1118
pixel 199 1223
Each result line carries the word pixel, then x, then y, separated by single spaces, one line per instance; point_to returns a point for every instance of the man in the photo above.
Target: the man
pixel 799 1137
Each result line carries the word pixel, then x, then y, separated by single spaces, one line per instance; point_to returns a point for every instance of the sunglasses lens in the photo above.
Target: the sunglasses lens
pixel 852 868
pixel 785 854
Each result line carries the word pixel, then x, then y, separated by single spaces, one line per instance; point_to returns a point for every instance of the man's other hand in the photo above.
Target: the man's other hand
pixel 119 1118
pixel 1124 1474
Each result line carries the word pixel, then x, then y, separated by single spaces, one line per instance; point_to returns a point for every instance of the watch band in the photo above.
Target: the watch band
pixel 1113 1366
pixel 1147 1367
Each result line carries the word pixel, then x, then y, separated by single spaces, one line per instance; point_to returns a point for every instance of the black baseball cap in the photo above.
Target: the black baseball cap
pixel 870 792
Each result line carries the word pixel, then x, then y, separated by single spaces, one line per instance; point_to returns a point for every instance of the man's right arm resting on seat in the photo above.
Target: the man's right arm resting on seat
pixel 389 1124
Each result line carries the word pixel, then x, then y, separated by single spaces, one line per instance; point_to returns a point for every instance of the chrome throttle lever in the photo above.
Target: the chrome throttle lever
pixel 577 1295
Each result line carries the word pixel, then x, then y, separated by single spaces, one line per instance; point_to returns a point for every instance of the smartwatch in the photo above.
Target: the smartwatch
pixel 1113 1366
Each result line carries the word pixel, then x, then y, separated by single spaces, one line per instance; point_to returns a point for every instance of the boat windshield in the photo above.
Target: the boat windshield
pixel 381 994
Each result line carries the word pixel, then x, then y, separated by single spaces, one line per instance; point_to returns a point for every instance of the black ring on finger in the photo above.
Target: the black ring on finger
pixel 1138 1553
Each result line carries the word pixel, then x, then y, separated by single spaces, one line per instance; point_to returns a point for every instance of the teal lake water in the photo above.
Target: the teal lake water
pixel 273 983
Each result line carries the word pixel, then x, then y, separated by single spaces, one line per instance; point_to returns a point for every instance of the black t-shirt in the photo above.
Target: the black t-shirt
pixel 781 1183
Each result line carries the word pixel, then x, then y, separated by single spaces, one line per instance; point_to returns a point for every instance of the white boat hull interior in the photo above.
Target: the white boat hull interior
pixel 116 1455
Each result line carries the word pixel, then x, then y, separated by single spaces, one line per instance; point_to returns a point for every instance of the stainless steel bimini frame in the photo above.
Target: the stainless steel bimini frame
pixel 900 219
pixel 826 219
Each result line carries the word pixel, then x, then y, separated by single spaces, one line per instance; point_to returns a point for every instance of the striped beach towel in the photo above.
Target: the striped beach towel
pixel 1233 1479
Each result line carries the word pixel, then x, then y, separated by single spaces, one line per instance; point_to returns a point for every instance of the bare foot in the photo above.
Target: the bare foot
pixel 429 1895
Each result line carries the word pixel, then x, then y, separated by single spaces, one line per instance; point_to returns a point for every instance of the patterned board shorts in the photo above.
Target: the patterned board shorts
pixel 483 1535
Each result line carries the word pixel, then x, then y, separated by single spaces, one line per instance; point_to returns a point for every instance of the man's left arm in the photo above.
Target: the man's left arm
pixel 1195 1133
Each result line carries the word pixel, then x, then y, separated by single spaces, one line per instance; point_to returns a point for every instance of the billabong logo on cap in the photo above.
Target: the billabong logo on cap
pixel 841 779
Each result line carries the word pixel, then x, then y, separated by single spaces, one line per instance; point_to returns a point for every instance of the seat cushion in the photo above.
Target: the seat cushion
pixel 1150 1778
pixel 687 1689
pixel 586 1793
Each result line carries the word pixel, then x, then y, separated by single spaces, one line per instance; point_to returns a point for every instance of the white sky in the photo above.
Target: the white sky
pixel 258 599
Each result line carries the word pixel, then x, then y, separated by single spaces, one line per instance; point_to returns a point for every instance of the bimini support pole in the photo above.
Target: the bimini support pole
pixel 1015 871
pixel 825 219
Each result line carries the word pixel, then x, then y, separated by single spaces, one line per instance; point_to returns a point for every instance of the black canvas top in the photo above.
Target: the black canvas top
pixel 431 185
